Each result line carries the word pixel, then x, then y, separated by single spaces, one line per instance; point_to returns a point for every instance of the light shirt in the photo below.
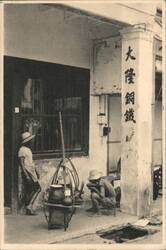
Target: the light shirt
pixel 26 153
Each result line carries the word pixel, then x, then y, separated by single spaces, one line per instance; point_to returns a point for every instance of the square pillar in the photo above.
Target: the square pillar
pixel 137 100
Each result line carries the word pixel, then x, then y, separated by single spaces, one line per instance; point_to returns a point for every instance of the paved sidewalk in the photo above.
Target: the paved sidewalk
pixel 33 229
pixel 23 229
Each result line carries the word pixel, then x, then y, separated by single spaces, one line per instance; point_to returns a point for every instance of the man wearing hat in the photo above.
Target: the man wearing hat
pixel 102 192
pixel 29 174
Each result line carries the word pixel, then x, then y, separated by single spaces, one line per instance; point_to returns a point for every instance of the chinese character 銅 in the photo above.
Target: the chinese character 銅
pixel 130 97
pixel 129 54
pixel 129 115
pixel 129 75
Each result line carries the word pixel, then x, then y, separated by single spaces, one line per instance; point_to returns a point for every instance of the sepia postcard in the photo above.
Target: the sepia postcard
pixel 83 124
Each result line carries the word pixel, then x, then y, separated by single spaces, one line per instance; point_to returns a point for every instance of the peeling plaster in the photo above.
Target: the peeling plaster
pixel 107 66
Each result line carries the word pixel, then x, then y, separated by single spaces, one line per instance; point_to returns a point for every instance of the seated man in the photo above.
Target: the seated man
pixel 102 192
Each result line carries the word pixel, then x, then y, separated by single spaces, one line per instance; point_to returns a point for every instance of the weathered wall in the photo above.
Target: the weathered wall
pixel 48 35
pixel 137 129
pixel 34 32
pixel 114 150
pixel 106 74
pixel 46 169
pixel 107 67
pixel 157 141
pixel 115 135
pixel 97 158
pixel 44 34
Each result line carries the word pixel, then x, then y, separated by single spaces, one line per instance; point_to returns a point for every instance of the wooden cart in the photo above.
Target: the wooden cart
pixel 58 214
pixel 52 212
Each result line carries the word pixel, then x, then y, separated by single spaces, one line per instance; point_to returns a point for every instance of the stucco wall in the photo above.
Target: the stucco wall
pixel 115 148
pixel 39 33
pixel 115 135
pixel 157 141
pixel 30 32
pixel 97 158
pixel 46 169
pixel 107 66
pixel 35 32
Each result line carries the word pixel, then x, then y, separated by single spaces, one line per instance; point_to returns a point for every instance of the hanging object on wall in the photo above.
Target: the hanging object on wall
pixel 32 125
pixel 106 130
pixel 101 117
pixel 158 65
pixel 26 101
pixel 107 66
pixel 158 53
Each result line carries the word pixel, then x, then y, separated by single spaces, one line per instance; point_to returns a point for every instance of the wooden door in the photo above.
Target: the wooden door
pixel 12 92
pixel 114 138
pixel 7 133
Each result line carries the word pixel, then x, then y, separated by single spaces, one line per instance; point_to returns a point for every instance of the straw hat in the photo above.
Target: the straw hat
pixel 94 175
pixel 26 136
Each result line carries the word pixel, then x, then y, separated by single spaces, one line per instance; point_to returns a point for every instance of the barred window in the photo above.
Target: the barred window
pixel 41 101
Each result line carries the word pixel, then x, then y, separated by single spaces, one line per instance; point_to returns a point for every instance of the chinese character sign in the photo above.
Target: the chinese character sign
pixel 130 115
pixel 130 97
pixel 130 77
pixel 129 55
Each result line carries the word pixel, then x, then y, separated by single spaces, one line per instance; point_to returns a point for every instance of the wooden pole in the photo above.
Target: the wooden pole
pixel 63 149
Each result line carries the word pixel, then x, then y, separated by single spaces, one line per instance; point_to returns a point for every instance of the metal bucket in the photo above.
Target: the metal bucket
pixel 56 194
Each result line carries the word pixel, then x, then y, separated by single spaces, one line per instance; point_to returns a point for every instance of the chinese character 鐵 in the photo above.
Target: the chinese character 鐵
pixel 129 114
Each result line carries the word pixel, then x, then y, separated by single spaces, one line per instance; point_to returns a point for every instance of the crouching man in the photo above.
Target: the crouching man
pixel 102 192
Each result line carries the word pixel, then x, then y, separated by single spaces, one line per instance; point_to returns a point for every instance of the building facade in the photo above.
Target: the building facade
pixel 101 66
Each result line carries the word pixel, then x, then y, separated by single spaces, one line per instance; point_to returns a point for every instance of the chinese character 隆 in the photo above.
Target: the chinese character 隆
pixel 129 75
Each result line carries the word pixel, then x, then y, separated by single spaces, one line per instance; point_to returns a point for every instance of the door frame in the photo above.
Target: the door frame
pixel 108 121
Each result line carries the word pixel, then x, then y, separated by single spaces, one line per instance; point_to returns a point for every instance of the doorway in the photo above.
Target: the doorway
pixel 114 137
pixel 34 93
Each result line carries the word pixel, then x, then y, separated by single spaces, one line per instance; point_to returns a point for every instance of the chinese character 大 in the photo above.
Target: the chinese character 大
pixel 129 54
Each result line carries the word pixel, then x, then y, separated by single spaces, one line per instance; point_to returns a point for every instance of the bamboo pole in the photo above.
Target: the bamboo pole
pixel 63 149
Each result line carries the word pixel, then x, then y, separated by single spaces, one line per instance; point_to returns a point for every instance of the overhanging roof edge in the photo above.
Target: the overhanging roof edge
pixel 90 14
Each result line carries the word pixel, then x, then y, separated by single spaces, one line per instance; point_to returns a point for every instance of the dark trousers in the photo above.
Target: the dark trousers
pixel 31 189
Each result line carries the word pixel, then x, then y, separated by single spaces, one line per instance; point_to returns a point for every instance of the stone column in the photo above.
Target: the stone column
pixel 137 99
